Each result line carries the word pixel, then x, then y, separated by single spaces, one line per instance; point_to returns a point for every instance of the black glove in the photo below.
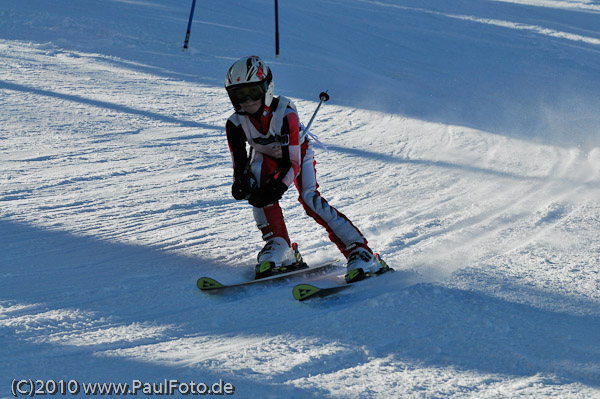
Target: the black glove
pixel 243 186
pixel 269 194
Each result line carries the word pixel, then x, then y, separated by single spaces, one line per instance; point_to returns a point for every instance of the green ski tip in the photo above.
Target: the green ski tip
pixel 303 291
pixel 207 283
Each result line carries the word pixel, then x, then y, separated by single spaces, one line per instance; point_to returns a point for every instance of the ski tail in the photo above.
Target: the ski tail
pixel 207 284
pixel 302 292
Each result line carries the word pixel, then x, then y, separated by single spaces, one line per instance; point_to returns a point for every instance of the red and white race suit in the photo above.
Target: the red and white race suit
pixel 279 150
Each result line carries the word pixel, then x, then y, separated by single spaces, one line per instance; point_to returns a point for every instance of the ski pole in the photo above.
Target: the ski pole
pixel 323 96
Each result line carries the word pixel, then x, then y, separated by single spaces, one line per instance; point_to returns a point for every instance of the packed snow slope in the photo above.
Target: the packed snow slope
pixel 464 142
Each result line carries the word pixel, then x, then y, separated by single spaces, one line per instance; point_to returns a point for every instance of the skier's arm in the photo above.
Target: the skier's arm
pixel 242 178
pixel 288 169
pixel 290 164
pixel 236 139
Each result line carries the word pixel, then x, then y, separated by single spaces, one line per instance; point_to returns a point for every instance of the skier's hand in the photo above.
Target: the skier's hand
pixel 269 194
pixel 243 186
pixel 238 190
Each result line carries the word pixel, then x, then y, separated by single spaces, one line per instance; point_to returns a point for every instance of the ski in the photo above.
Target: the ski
pixel 210 284
pixel 302 292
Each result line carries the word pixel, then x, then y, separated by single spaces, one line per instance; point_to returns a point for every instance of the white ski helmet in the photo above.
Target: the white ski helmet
pixel 249 77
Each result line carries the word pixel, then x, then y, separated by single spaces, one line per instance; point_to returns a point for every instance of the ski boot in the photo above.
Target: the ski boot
pixel 363 264
pixel 277 257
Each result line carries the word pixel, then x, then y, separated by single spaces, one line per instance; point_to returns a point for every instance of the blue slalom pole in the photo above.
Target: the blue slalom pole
pixel 189 27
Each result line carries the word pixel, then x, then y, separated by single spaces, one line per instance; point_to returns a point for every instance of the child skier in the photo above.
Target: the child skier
pixel 281 154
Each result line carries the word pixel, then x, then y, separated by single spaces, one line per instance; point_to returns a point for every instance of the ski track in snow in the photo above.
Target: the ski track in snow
pixel 114 199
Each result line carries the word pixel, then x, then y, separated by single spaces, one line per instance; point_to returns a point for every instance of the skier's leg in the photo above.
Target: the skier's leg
pixel 270 219
pixel 341 230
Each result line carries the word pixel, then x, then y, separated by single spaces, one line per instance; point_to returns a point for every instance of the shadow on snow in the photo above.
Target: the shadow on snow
pixel 58 288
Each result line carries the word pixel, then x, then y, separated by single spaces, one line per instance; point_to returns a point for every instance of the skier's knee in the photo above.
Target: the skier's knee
pixel 308 198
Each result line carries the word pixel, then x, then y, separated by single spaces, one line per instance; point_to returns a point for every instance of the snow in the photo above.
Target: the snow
pixel 465 144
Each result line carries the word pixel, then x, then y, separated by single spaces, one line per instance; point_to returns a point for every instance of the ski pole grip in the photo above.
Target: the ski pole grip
pixel 324 96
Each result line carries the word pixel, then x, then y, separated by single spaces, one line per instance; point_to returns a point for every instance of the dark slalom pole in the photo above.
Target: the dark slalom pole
pixel 189 27
pixel 276 28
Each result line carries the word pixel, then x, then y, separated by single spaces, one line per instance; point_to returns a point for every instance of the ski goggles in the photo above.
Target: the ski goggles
pixel 252 92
